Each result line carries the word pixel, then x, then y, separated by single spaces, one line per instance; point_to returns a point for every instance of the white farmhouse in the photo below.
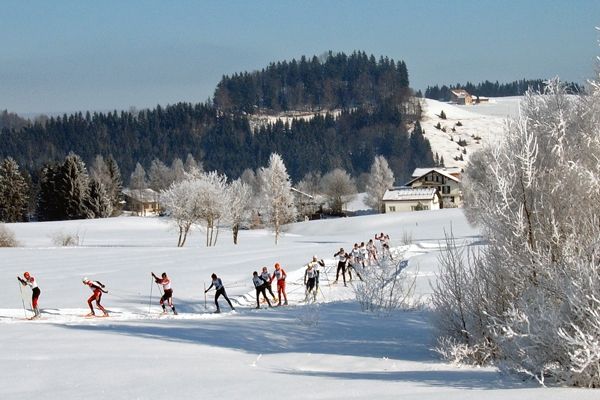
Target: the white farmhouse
pixel 445 180
pixel 402 199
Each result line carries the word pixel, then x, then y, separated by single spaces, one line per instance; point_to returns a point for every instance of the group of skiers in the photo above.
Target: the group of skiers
pixel 359 256
pixel 262 284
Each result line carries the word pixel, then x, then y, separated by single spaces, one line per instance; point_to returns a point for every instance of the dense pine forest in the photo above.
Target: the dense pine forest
pixel 377 118
pixel 495 89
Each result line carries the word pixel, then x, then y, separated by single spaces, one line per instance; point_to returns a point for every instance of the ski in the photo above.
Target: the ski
pixel 94 316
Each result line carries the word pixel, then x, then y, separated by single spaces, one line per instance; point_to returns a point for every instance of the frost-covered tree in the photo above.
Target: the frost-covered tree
pixel 108 175
pixel 199 200
pixel 177 170
pixel 380 179
pixel 277 191
pixel 138 179
pixel 190 164
pixel 214 204
pixel 311 183
pixel 537 281
pixel 240 195
pixel 160 176
pixel 14 192
pixel 181 204
pixel 339 188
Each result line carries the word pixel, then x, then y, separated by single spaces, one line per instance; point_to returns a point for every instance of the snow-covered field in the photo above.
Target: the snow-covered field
pixel 244 354
pixel 481 123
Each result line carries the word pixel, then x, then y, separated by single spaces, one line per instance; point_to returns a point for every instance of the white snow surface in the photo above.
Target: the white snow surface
pixel 248 354
pixel 481 123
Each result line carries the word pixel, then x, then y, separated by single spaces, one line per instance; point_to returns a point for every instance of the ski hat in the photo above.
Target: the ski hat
pixel 276 265
pixel 315 256
pixel 26 275
pixel 85 280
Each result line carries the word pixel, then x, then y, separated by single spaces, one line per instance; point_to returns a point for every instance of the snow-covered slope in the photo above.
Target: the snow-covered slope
pixel 247 354
pixel 481 123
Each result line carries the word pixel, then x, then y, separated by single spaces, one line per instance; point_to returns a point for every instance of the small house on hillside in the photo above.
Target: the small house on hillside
pixel 309 207
pixel 403 199
pixel 454 171
pixel 141 201
pixel 461 97
pixel 445 180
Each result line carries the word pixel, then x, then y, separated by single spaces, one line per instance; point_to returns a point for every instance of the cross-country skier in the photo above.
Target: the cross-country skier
pixel 261 288
pixel 342 261
pixel 310 279
pixel 280 275
pixel 267 278
pixel 384 242
pixel 372 250
pixel 98 288
pixel 316 263
pixel 35 292
pixel 353 260
pixel 218 284
pixel 168 292
pixel 363 253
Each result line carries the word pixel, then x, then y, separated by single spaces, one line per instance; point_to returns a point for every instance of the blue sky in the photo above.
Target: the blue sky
pixel 65 56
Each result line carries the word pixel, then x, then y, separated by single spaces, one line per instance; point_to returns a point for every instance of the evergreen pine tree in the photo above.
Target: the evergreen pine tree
pixel 114 189
pixel 98 202
pixel 73 188
pixel 14 192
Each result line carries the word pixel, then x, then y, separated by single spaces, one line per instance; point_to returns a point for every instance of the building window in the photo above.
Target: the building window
pixel 392 208
pixel 446 190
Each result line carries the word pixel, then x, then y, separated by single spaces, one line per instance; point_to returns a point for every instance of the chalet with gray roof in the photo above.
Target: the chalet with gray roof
pixel 445 180
pixel 403 199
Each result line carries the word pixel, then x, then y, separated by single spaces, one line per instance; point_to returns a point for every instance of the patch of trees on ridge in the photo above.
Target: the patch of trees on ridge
pixel 331 81
pixel 490 89
pixel 376 120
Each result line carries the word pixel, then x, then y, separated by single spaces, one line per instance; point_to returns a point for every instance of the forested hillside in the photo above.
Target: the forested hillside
pixel 495 89
pixel 377 119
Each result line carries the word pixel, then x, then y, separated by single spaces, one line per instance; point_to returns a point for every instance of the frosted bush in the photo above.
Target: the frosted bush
pixel 7 237
pixel 310 315
pixel 385 287
pixel 62 239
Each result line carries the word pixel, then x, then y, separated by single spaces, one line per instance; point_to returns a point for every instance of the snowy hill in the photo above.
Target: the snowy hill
pixel 246 354
pixel 481 123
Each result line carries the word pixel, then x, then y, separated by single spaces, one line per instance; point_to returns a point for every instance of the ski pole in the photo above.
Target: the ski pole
pixel 123 291
pixel 205 297
pixel 116 295
pixel 22 299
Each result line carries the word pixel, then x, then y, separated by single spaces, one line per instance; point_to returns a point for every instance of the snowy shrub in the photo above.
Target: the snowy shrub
pixel 310 315
pixel 458 315
pixel 530 300
pixel 385 287
pixel 407 238
pixel 456 352
pixel 7 237
pixel 62 239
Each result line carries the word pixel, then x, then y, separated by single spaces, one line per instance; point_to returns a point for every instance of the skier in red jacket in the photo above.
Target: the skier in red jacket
pixel 168 292
pixel 280 275
pixel 35 292
pixel 98 289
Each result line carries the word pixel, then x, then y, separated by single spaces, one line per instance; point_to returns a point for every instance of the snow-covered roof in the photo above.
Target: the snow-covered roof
pixel 404 193
pixel 439 171
pixel 460 93
pixel 142 195
pixel 418 172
